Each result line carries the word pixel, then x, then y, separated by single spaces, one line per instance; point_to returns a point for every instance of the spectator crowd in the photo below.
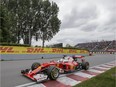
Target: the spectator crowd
pixel 98 46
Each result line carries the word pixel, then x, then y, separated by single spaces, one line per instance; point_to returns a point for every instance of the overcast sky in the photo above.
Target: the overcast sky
pixel 84 21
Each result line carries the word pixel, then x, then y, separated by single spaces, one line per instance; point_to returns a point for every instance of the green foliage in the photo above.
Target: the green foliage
pixel 14 44
pixel 49 23
pixel 31 18
pixel 5 26
pixel 106 79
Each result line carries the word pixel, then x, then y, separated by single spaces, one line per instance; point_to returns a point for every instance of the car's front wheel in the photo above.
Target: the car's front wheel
pixel 53 72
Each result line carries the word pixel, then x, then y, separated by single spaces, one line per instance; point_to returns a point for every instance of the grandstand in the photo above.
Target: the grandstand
pixel 57 45
pixel 102 46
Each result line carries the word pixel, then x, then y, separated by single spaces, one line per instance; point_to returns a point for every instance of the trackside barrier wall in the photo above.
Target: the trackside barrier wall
pixel 103 52
pixel 13 52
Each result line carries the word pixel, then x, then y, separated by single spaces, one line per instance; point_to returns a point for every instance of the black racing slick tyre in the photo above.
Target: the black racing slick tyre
pixel 35 65
pixel 25 71
pixel 53 73
pixel 85 65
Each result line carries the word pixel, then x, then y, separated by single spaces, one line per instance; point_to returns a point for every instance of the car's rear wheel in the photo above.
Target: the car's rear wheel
pixel 85 65
pixel 79 66
pixel 53 72
pixel 35 65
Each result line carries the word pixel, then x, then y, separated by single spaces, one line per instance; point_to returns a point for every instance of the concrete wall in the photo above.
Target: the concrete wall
pixel 32 56
pixel 18 53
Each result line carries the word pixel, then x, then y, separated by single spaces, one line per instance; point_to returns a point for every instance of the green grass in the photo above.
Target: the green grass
pixel 107 79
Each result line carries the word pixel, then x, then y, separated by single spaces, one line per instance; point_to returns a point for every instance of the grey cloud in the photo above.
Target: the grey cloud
pixel 94 21
pixel 78 18
pixel 112 20
pixel 107 37
pixel 108 28
pixel 89 28
pixel 75 41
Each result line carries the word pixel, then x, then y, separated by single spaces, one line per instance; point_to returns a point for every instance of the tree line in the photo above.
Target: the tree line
pixel 27 19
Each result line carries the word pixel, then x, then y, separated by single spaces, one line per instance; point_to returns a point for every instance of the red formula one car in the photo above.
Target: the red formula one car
pixel 52 69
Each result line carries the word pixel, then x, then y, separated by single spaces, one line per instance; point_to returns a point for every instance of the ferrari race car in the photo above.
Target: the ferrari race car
pixel 51 70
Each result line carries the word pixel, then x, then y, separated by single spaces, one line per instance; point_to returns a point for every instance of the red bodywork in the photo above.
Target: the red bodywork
pixel 39 69
pixel 64 66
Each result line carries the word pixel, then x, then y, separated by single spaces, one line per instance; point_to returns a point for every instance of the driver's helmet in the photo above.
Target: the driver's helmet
pixel 66 59
pixel 69 58
pixel 64 56
pixel 74 57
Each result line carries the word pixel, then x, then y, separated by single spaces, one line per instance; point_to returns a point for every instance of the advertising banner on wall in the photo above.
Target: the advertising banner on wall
pixel 37 50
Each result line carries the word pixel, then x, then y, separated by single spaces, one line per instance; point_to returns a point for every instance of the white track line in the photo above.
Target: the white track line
pixel 37 85
pixel 106 66
pixel 68 81
pixel 33 84
pixel 101 67
pixel 110 64
pixel 96 71
pixel 25 85
pixel 84 74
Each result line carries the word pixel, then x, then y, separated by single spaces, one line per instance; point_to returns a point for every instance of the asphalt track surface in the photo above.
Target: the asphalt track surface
pixel 10 70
